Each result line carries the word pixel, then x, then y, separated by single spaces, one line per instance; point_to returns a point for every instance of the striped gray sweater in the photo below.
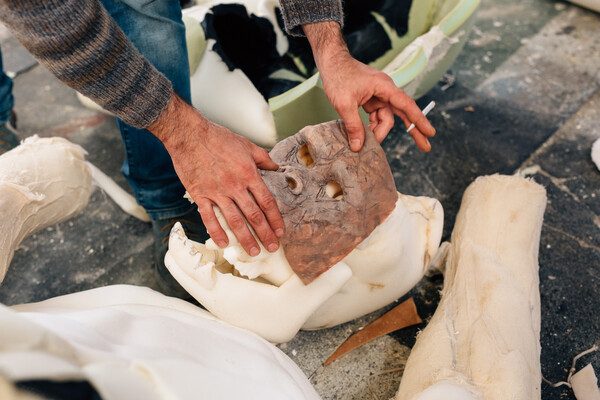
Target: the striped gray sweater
pixel 83 46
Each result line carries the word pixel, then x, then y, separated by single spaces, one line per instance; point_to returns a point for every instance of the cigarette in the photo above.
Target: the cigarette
pixel 425 112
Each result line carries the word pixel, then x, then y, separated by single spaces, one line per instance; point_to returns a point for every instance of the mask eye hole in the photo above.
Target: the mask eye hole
pixel 291 182
pixel 304 156
pixel 334 191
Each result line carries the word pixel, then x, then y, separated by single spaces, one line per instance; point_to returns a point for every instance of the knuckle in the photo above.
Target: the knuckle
pixel 354 128
pixel 344 105
pixel 233 187
pixel 262 152
pixel 236 222
pixel 204 207
pixel 217 234
pixel 255 217
pixel 383 77
pixel 247 171
pixel 268 202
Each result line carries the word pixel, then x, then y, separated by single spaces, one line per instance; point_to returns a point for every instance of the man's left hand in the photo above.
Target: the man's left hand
pixel 350 84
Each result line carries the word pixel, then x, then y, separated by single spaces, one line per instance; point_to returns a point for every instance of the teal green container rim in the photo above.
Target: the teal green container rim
pixel 448 25
pixel 402 76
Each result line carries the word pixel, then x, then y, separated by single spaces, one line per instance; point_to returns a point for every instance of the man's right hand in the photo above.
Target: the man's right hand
pixel 220 168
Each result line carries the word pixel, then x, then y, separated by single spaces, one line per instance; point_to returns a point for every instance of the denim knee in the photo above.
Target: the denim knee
pixel 157 31
pixel 6 97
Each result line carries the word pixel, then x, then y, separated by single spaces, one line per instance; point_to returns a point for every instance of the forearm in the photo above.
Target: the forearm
pixel 297 13
pixel 82 45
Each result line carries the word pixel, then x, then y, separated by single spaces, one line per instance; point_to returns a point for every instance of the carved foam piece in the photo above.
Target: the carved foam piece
pixel 264 295
pixel 330 197
pixel 596 153
pixel 242 63
pixel 483 340
pixel 387 264
pixel 269 81
pixel 215 81
pixel 591 4
pixel 43 181
pixel 133 343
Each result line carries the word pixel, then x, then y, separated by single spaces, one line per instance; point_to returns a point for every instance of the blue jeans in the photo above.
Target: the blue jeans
pixel 157 31
pixel 6 97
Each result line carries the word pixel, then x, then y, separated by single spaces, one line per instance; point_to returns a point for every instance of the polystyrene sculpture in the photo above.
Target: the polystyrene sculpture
pixel 483 340
pixel 43 181
pixel 393 237
pixel 133 343
pixel 414 42
pixel 220 92
pixel 330 197
pixel 127 342
pixel 263 294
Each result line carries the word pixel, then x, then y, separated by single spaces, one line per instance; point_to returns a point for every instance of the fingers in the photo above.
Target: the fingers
pixel 421 140
pixel 373 105
pixel 237 223
pixel 261 158
pixel 268 205
pixel 264 198
pixel 388 98
pixel 354 126
pixel 258 220
pixel 262 214
pixel 257 208
pixel 213 227
pixel 385 122
pixel 400 100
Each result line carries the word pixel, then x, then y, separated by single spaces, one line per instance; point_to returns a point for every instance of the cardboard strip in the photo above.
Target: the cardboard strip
pixel 398 317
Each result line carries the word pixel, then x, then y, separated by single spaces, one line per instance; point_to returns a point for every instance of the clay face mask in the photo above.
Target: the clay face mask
pixel 330 197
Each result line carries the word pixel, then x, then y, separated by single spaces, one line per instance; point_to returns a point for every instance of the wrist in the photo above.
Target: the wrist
pixel 176 121
pixel 327 43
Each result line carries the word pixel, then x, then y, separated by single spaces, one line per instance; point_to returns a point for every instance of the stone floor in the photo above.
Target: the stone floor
pixel 526 97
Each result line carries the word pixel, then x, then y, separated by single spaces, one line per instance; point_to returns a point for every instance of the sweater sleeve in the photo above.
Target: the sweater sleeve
pixel 299 12
pixel 83 46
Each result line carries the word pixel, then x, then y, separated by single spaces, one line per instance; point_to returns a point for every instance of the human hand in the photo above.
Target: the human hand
pixel 350 84
pixel 219 168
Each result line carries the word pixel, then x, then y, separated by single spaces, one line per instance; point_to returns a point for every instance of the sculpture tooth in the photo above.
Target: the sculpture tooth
pixel 180 247
pixel 206 275
pixel 177 232
pixel 194 250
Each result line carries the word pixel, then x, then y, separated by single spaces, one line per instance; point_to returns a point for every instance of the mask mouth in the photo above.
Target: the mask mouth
pixel 334 190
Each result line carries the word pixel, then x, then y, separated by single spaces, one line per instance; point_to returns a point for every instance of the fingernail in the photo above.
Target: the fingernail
pixel 279 232
pixel 254 251
pixel 355 144
pixel 222 244
pixel 272 247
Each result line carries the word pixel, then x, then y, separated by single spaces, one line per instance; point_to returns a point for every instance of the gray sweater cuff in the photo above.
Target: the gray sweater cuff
pixel 298 12
pixel 83 46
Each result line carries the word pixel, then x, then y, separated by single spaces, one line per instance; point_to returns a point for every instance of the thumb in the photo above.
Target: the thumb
pixel 262 159
pixel 354 127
